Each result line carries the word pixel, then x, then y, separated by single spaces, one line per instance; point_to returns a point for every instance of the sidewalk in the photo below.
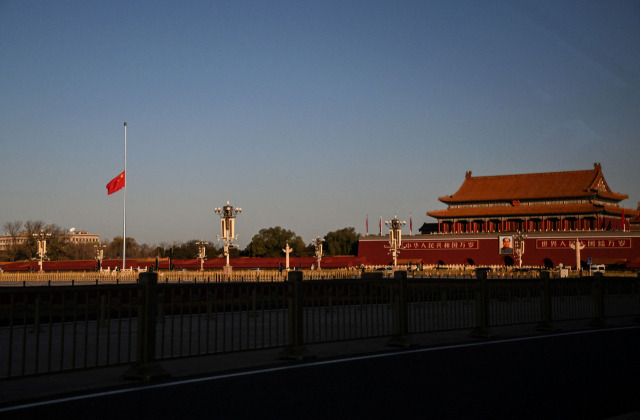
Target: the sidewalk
pixel 23 390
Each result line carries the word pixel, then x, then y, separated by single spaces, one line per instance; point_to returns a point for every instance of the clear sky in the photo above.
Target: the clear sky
pixel 310 115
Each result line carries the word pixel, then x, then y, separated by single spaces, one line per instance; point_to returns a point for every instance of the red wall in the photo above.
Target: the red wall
pixel 606 248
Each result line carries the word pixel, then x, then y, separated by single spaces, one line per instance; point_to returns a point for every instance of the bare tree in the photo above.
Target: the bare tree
pixel 28 250
pixel 33 227
pixel 57 239
pixel 13 230
pixel 54 234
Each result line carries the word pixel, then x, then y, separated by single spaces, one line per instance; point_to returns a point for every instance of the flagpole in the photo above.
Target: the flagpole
pixel 124 210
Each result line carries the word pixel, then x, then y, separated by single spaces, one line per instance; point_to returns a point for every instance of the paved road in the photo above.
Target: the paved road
pixel 585 375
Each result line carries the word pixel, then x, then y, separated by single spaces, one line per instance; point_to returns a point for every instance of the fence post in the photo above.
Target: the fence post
pixel 545 302
pixel 637 288
pixel 598 300
pixel 401 323
pixel 145 367
pixel 482 305
pixel 295 349
pixel 102 315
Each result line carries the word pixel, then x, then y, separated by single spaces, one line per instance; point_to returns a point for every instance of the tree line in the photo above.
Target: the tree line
pixel 268 242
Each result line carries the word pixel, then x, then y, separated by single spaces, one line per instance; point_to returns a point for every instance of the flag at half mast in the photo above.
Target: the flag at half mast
pixel 116 184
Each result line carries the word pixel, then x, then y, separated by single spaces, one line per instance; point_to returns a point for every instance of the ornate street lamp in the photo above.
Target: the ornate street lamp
pixel 202 253
pixel 395 238
pixel 42 247
pixel 99 254
pixel 518 246
pixel 227 226
pixel 317 244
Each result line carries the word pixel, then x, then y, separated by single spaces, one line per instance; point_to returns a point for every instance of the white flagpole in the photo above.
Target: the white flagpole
pixel 124 214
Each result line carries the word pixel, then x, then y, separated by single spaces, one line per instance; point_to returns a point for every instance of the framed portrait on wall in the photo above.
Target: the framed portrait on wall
pixel 506 245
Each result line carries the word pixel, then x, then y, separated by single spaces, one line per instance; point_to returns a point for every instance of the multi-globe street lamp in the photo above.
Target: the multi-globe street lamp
pixel 317 244
pixel 227 226
pixel 518 246
pixel 395 238
pixel 202 253
pixel 99 254
pixel 42 247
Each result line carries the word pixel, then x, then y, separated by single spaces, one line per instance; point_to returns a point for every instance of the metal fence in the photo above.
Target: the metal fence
pixel 46 329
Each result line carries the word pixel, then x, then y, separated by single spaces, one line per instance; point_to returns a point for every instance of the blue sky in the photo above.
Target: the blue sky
pixel 308 115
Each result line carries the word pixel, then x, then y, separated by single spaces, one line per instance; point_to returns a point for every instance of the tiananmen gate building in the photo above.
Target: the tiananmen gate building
pixel 489 217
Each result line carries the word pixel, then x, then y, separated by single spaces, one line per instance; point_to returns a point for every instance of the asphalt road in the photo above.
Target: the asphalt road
pixel 585 375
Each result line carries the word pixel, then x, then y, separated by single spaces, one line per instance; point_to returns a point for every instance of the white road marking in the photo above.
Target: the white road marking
pixel 305 365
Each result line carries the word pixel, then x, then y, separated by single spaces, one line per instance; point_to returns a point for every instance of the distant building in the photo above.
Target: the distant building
pixel 82 237
pixel 76 237
pixel 552 209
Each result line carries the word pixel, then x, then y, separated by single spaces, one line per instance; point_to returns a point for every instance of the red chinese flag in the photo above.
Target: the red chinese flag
pixel 116 184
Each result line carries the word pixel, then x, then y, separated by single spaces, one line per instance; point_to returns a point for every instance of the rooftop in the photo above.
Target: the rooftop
pixel 535 186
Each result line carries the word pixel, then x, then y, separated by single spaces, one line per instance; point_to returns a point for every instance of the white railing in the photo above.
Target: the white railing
pixel 129 276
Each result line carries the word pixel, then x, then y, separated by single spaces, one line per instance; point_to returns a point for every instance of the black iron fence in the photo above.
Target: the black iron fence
pixel 48 329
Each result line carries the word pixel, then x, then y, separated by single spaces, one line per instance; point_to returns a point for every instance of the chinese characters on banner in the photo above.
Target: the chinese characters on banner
pixel 603 243
pixel 588 243
pixel 440 245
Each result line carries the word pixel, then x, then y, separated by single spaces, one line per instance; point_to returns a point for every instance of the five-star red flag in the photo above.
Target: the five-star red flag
pixel 116 184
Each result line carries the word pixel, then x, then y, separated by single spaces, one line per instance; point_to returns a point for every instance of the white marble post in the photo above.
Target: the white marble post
pixel 577 246
pixel 287 251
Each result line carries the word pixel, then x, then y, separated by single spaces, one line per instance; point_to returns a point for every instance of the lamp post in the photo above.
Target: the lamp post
pixel 519 246
pixel 395 238
pixel 202 253
pixel 317 244
pixel 99 254
pixel 227 226
pixel 42 247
